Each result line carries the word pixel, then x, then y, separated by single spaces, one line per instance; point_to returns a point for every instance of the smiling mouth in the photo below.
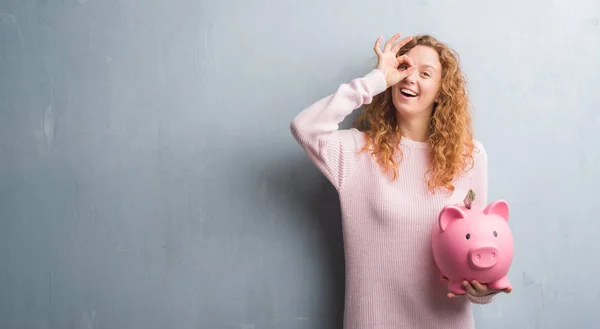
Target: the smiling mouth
pixel 408 93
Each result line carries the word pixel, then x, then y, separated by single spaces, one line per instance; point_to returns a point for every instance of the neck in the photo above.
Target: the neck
pixel 414 128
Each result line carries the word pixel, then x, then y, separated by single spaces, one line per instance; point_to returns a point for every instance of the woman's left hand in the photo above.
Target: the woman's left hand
pixel 476 289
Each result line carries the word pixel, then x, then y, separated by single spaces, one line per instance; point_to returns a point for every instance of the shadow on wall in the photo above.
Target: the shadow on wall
pixel 304 208
pixel 311 211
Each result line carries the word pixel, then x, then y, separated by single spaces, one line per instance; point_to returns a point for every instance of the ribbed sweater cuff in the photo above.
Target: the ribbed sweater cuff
pixel 376 80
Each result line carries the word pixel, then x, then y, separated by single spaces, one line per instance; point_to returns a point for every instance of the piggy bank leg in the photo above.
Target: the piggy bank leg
pixel 500 284
pixel 456 287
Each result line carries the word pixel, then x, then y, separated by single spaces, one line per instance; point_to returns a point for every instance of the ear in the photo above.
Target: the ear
pixel 449 214
pixel 498 207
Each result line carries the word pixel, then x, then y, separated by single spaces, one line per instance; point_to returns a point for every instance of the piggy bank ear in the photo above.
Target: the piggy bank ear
pixel 448 215
pixel 498 207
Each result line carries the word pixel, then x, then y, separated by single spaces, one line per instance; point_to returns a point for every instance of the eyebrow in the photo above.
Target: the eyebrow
pixel 430 66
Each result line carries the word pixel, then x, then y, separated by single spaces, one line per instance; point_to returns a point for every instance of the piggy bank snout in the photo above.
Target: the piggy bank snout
pixel 483 257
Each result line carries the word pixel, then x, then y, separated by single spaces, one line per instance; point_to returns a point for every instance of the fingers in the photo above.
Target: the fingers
pixel 389 45
pixel 405 59
pixel 470 289
pixel 474 288
pixel 479 287
pixel 401 44
pixel 485 290
pixel 390 42
pixel 377 47
pixel 453 295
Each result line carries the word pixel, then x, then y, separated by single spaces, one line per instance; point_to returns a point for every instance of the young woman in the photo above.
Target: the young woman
pixel 412 153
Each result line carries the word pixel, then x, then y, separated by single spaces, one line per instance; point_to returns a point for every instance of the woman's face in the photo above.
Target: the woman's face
pixel 416 95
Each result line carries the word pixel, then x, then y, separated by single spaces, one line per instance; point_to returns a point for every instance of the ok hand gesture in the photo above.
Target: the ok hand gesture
pixel 388 62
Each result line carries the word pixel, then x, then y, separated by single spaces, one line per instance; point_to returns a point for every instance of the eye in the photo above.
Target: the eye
pixel 468 236
pixel 427 74
pixel 495 233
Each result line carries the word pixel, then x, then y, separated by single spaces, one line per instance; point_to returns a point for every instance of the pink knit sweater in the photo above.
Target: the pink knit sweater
pixel 391 277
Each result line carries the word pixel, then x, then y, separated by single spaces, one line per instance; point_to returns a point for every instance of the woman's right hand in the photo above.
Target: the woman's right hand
pixel 389 63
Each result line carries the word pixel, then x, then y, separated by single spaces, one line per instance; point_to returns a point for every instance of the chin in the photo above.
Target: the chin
pixel 406 109
pixel 410 110
pixel 407 112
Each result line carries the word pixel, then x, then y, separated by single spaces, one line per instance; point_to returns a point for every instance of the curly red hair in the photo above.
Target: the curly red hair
pixel 450 132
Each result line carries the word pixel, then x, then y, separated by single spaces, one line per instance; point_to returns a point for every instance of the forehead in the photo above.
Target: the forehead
pixel 425 56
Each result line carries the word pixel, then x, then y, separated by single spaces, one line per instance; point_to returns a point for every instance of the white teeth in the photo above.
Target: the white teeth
pixel 406 91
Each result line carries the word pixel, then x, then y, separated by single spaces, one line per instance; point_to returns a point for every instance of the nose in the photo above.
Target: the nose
pixel 483 257
pixel 411 78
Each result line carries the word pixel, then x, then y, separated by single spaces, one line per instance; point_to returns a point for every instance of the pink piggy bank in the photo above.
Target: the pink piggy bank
pixel 472 243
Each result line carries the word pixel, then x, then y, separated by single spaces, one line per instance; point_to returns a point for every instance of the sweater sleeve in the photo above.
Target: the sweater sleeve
pixel 484 299
pixel 479 184
pixel 317 131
